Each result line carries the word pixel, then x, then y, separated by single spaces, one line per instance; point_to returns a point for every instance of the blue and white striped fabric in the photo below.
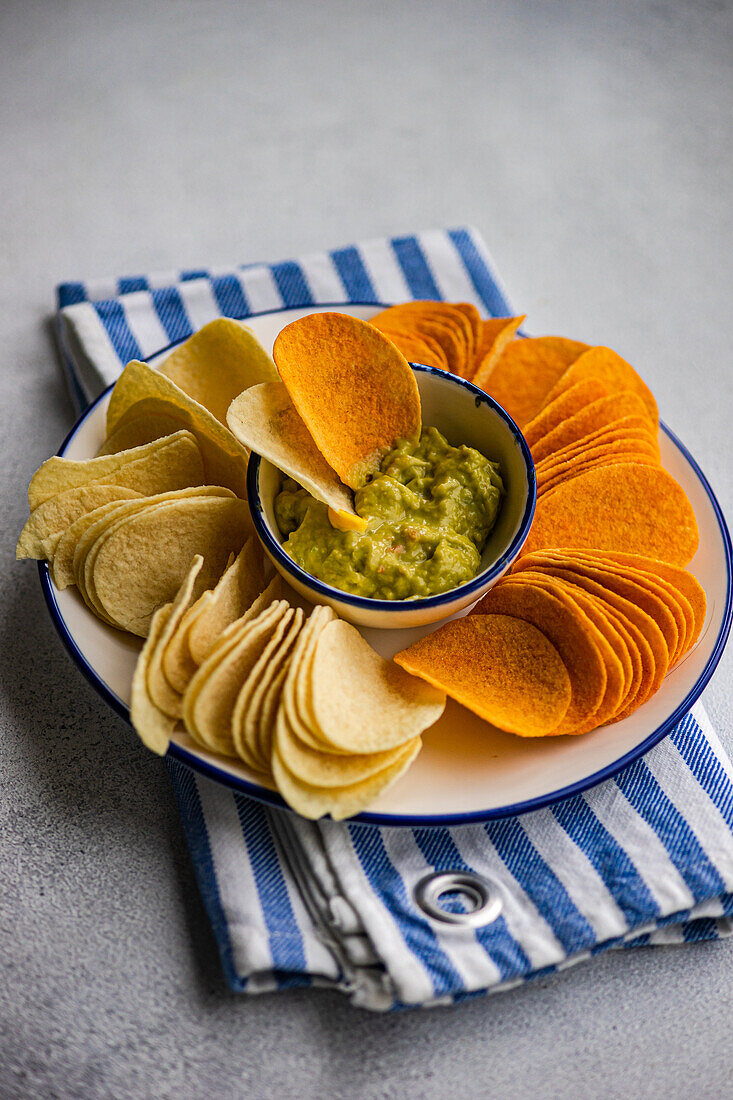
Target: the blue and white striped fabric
pixel 643 859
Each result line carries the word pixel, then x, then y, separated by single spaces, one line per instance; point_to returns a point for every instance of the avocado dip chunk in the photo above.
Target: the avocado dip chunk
pixel 430 509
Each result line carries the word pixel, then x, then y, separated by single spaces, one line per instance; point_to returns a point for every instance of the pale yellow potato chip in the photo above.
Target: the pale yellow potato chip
pixel 178 664
pixel 169 463
pixel 62 561
pixel 299 669
pixel 234 593
pixel 152 725
pixel 135 431
pixel 162 694
pixel 142 561
pixel 66 549
pixel 227 640
pixel 246 707
pixel 219 361
pixel 264 419
pixel 205 621
pixel 339 802
pixel 225 460
pixel 46 523
pixel 88 530
pixel 361 702
pixel 183 672
pixel 327 769
pixel 209 701
pixel 269 709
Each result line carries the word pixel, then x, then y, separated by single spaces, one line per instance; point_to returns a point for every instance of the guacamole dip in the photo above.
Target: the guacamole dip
pixel 430 510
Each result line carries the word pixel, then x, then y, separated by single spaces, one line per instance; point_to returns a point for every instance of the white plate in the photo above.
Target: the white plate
pixel 467 770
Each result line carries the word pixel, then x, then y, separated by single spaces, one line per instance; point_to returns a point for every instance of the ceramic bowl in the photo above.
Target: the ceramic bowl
pixel 464 414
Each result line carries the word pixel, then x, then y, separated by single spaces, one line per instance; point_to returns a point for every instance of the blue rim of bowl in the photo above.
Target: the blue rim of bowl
pixel 406 606
pixel 417 820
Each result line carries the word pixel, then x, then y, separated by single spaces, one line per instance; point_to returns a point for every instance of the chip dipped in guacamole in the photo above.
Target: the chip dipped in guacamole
pixel 430 511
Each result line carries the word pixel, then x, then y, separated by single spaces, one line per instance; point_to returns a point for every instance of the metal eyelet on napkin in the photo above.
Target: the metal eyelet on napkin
pixel 485 903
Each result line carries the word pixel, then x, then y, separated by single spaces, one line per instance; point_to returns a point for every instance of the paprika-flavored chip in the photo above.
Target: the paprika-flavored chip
pixel 625 507
pixel 502 668
pixel 435 330
pixel 685 582
pixel 570 632
pixel 527 371
pixel 353 389
pixel 225 460
pixel 418 347
pixel 608 367
pixel 635 439
pixel 590 419
pixel 652 646
pixel 604 457
pixel 495 335
pixel 264 419
pixel 219 361
pixel 625 640
pixel 562 408
pixel 616 683
pixel 657 589
pixel 474 320
pixel 452 325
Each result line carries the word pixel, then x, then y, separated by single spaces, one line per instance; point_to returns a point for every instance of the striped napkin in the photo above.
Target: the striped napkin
pixel 645 858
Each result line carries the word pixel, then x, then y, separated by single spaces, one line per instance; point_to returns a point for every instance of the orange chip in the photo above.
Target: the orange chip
pixel 452 346
pixel 608 367
pixel 417 347
pixel 443 321
pixel 652 647
pixel 570 632
pixel 599 414
pixel 502 668
pixel 568 471
pixel 677 603
pixel 617 681
pixel 527 371
pixel 685 583
pixel 648 597
pixel 563 407
pixel 495 335
pixel 627 507
pixel 634 435
pixel 607 454
pixel 353 389
pixel 474 320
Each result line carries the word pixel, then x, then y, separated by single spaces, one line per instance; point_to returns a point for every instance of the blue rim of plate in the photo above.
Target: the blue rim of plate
pixel 421 820
pixel 474 585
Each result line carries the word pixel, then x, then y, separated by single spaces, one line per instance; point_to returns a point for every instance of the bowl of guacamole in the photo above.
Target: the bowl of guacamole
pixel 445 515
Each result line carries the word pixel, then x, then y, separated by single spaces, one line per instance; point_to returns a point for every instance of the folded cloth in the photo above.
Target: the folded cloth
pixel 645 858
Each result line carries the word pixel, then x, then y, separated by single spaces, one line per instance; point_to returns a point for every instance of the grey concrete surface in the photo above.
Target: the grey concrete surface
pixel 591 144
